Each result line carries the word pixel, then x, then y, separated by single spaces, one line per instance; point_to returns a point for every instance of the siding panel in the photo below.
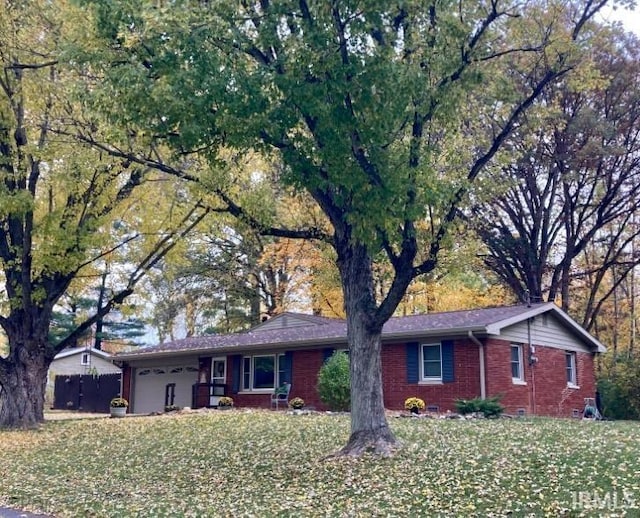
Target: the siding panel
pixel 545 331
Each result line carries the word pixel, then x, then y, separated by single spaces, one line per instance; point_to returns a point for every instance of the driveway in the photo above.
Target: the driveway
pixel 8 512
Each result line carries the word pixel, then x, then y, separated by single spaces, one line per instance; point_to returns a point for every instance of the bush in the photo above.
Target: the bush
pixel 334 382
pixel 619 388
pixel 489 407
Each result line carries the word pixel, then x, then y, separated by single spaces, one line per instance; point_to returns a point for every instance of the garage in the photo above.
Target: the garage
pixel 155 387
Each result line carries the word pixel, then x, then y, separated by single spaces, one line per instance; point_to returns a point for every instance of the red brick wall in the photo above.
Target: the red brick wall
pixel 497 355
pixel 466 384
pixel 306 365
pixel 546 391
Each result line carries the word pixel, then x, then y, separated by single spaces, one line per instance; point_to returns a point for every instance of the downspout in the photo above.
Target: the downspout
pixel 532 362
pixel 483 383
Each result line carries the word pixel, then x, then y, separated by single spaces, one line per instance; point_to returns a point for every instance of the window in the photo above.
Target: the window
pixel 262 372
pixel 431 362
pixel 218 370
pixel 246 373
pixel 281 370
pixel 517 364
pixel 571 368
pixel 85 359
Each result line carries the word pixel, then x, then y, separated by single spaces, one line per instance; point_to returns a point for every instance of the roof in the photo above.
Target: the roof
pixel 77 350
pixel 309 330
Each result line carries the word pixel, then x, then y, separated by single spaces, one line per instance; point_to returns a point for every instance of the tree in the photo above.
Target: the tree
pixel 385 116
pixel 566 221
pixel 58 201
pixel 229 277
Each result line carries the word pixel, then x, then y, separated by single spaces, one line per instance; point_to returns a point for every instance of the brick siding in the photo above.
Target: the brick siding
pixel 396 389
pixel 545 393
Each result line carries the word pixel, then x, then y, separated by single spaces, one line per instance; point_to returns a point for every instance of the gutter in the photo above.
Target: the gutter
pixel 483 382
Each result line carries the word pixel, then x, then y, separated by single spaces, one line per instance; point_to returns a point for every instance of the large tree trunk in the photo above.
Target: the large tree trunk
pixel 22 388
pixel 370 431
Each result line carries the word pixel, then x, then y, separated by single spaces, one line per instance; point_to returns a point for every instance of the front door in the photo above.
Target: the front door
pixel 218 379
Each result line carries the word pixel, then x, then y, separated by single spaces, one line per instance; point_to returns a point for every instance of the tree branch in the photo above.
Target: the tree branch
pixel 162 248
pixel 231 207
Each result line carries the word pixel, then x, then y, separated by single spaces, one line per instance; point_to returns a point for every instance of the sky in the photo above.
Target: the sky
pixel 630 19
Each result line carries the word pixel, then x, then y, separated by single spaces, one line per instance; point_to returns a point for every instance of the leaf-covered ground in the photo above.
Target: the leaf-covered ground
pixel 266 464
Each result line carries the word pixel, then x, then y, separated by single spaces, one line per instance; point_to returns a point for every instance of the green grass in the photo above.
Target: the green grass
pixel 271 464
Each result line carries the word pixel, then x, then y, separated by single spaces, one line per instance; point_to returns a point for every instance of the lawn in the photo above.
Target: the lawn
pixel 262 463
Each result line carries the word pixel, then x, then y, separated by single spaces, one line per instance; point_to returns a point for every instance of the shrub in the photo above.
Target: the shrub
pixel 489 407
pixel 171 408
pixel 413 404
pixel 225 401
pixel 296 403
pixel 334 382
pixel 619 388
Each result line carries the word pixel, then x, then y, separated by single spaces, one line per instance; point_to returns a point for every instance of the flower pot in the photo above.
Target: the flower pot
pixel 118 411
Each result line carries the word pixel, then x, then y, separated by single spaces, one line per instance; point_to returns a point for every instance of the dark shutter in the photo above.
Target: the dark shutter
pixel 447 361
pixel 287 368
pixel 413 362
pixel 236 373
pixel 326 353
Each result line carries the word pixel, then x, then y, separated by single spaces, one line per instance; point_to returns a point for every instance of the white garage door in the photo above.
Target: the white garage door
pixel 150 387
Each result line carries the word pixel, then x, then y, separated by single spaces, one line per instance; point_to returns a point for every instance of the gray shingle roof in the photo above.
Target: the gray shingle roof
pixel 319 331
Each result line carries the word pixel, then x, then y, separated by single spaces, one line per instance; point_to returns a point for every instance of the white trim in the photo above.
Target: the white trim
pixel 85 358
pixel 77 350
pixel 483 381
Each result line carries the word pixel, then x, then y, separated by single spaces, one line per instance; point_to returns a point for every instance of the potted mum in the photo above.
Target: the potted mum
pixel 118 407
pixel 225 403
pixel 414 405
pixel 297 403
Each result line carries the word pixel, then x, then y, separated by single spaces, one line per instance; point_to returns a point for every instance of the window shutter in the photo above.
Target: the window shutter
pixel 287 367
pixel 326 353
pixel 413 362
pixel 447 361
pixel 236 373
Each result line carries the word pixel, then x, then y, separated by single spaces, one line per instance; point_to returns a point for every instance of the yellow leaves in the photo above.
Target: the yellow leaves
pixel 252 462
